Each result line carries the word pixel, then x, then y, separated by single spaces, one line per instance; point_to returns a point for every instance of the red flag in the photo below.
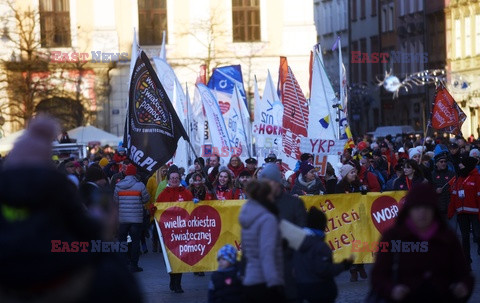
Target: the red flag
pixel 447 116
pixel 282 76
pixel 202 75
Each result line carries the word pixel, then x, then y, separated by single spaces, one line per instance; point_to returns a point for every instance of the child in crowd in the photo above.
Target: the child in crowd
pixel 225 285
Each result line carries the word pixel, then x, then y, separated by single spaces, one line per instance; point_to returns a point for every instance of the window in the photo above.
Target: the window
pixel 375 47
pixel 402 7
pixel 468 41
pixel 458 39
pixel 55 23
pixel 412 6
pixel 477 34
pixel 384 19
pixel 246 20
pixel 152 19
pixel 391 18
pixel 354 10
pixel 362 9
pixel 355 67
pixel 374 7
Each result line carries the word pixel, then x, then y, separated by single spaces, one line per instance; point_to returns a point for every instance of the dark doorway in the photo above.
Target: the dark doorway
pixel 69 112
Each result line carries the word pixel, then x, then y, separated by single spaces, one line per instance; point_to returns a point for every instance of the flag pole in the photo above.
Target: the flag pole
pixel 428 126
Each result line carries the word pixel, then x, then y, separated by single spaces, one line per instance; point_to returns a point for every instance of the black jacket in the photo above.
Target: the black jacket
pixel 300 188
pixel 315 270
pixel 225 286
pixel 440 178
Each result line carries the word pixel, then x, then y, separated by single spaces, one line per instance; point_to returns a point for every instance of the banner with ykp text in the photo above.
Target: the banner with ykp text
pixel 192 233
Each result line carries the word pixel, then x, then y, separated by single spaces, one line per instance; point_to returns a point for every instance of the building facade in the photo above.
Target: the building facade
pixel 253 33
pixel 463 59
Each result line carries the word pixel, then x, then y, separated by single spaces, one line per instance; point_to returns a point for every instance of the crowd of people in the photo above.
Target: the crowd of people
pixel 120 200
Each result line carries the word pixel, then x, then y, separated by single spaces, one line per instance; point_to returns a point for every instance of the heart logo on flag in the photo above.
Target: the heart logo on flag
pixel 190 237
pixel 384 211
pixel 224 106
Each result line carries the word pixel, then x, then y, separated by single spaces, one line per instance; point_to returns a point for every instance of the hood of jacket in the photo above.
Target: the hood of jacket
pixel 127 182
pixel 251 211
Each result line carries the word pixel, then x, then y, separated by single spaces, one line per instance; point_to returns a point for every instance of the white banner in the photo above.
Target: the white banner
pixel 322 147
pixel 217 128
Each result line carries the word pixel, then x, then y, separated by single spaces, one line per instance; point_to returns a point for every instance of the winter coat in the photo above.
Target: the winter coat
pixel 402 184
pixel 226 194
pixel 440 179
pixel 175 194
pixel 291 209
pixel 314 269
pixel 236 170
pixel 428 275
pixel 262 245
pixel 302 187
pixel 370 180
pixel 43 207
pixel 470 204
pixel 351 188
pixel 130 194
pixel 225 286
pixel 152 187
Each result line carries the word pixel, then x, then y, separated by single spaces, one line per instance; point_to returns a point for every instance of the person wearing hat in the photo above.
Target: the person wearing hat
pixel 271 158
pixel 441 177
pixel 290 208
pixel 251 165
pixel 313 262
pixel 350 183
pixel 71 174
pixel 175 192
pixel 437 271
pixel 198 165
pixel 380 164
pixel 465 203
pixel 290 178
pixel 130 196
pixel 305 157
pixel 475 153
pixel 455 157
pixel 307 182
pixel 225 284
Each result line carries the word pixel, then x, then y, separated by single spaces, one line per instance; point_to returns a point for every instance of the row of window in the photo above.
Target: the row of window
pixel 405 6
pixel 467 34
pixel 152 16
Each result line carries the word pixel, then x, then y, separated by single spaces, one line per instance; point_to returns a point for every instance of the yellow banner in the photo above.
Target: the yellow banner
pixel 193 233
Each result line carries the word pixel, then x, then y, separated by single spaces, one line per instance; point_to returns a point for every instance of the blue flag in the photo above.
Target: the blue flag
pixel 224 79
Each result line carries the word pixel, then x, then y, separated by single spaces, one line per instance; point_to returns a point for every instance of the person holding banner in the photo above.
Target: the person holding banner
pixel 198 188
pixel 350 183
pixel 223 185
pixel 261 246
pixel 174 192
pixel 307 182
pixel 412 174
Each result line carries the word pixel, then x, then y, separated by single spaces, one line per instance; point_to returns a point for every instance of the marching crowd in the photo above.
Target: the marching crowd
pixel 441 175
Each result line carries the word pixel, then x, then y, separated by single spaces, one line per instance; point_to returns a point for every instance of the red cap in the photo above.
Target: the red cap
pixel 131 170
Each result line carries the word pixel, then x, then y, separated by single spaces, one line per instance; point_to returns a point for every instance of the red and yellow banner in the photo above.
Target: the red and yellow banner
pixel 192 233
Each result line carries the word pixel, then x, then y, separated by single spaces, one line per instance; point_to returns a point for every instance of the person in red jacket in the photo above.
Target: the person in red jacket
pixel 223 185
pixel 174 192
pixel 368 178
pixel 236 165
pixel 465 202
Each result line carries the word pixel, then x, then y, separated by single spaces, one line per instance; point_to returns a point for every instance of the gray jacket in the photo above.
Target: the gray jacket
pixel 261 243
pixel 130 194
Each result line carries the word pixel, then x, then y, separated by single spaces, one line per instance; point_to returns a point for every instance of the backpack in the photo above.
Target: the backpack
pixel 380 178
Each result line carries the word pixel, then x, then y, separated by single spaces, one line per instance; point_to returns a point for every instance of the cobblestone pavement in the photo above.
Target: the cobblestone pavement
pixel 154 283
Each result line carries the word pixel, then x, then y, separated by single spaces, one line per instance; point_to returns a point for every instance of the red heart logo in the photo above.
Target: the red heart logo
pixel 384 211
pixel 190 236
pixel 224 106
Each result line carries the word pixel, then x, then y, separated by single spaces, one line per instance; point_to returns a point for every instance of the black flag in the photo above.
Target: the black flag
pixel 152 127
